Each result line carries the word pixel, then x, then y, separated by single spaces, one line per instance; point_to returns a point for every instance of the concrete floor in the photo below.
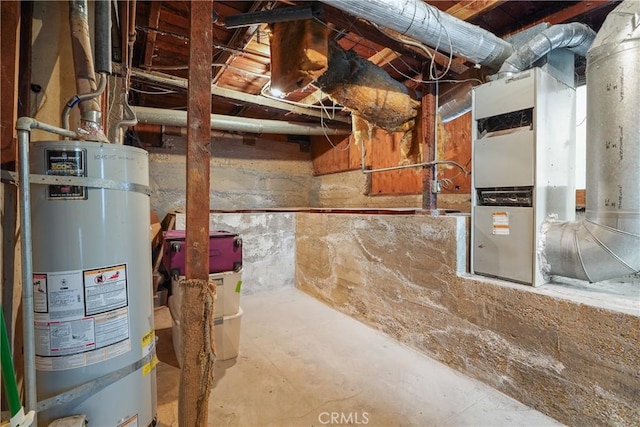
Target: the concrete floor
pixel 302 363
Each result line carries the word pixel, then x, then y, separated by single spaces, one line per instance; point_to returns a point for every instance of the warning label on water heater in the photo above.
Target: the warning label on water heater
pixel 81 317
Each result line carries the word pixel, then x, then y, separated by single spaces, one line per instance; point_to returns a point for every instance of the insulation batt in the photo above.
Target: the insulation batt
pixel 372 95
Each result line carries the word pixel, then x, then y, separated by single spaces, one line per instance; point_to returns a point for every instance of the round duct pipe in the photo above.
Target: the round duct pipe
pixel 605 244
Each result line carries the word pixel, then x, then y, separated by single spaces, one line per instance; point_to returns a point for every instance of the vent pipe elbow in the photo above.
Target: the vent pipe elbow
pixel 588 251
pixel 574 36
pixel 606 244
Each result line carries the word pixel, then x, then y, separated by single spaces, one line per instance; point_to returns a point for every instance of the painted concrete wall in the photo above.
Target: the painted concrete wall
pixel 269 174
pixel 348 189
pixel 555 351
pixel 268 247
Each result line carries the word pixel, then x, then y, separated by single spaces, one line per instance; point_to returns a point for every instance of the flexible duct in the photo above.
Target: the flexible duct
pixel 157 116
pixel 429 25
pixel 456 102
pixel 574 36
pixel 83 59
pixel 606 244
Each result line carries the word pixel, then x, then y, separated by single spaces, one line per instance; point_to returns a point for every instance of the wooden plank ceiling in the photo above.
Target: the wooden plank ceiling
pixel 241 56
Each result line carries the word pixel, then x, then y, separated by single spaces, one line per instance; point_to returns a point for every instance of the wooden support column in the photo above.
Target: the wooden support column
pixel 198 349
pixel 9 39
pixel 428 123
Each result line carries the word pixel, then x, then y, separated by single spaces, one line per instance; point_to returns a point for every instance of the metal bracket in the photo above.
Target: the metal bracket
pixel 110 184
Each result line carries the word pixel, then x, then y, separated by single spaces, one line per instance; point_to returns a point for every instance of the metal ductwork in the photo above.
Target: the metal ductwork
pixel 456 102
pixel 431 26
pixel 606 244
pixel 157 116
pixel 574 36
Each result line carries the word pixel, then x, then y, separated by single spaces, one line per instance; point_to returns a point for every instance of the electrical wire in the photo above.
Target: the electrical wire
pixel 158 92
pixel 267 86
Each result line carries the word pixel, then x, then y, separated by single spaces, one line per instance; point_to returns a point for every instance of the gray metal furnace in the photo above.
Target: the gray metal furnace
pixel 523 170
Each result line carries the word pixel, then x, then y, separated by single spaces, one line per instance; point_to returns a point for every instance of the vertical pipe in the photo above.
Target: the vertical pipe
pixel 103 36
pixel 198 349
pixel 428 131
pixel 27 272
pixel 82 59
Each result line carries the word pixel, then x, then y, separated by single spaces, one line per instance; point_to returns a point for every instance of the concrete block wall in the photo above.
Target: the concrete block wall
pixel 269 174
pixel 574 361
pixel 348 190
pixel 268 247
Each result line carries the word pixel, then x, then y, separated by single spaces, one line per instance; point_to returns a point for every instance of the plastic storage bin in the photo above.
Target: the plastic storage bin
pixel 227 295
pixel 226 331
pixel 225 252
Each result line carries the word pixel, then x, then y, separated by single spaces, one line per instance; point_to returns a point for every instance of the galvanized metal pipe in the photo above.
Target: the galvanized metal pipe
pixel 159 116
pixel 605 245
pixel 431 26
pixel 81 97
pixel 24 125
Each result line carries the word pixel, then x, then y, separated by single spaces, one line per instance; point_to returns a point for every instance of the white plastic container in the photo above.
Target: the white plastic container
pixel 228 286
pixel 226 332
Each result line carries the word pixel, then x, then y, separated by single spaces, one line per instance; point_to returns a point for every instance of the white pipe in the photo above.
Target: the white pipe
pixel 431 26
pixel 157 116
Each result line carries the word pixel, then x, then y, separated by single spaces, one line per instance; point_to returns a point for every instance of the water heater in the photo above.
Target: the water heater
pixel 523 140
pixel 92 284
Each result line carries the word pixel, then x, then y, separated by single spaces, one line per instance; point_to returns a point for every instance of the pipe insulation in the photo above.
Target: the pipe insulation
pixel 574 36
pixel 103 36
pixel 83 59
pixel 157 116
pixel 431 26
pixel 605 245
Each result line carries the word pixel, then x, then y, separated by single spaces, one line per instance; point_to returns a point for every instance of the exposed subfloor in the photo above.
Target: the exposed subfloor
pixel 302 363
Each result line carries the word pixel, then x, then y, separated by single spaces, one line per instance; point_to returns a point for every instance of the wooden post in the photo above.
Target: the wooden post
pixel 197 349
pixel 428 123
pixel 9 40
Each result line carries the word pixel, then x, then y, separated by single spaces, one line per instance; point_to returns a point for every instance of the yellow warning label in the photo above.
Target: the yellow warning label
pixel 148 367
pixel 148 339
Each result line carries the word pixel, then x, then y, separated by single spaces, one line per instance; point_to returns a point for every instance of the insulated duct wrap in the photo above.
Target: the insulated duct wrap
pixel 575 36
pixel 83 58
pixel 429 25
pixel 607 243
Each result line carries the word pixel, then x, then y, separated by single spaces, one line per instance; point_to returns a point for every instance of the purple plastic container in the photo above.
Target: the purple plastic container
pixel 225 252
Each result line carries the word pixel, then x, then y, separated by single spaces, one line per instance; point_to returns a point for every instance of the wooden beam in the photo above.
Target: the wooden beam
pixel 469 9
pixel 566 15
pixel 427 129
pixel 9 47
pixel 154 22
pixel 198 346
pixel 245 98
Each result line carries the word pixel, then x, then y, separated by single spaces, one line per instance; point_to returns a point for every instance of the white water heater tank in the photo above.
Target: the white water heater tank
pixel 95 342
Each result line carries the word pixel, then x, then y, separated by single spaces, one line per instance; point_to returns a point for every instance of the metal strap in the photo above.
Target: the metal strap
pixel 94 385
pixel 12 177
